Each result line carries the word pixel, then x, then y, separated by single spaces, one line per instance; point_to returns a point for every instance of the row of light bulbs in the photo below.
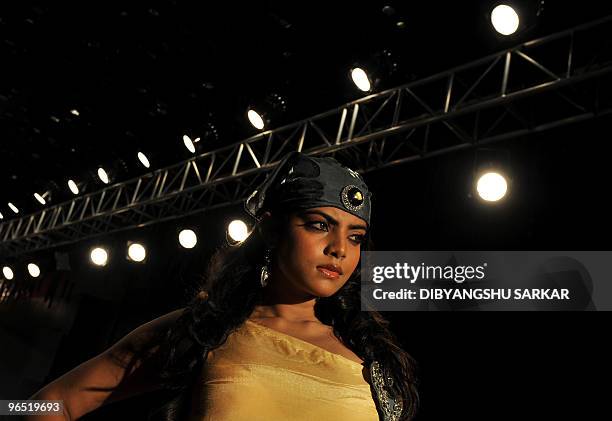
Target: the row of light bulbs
pixel 490 186
pixel 504 19
pixel 73 186
pixel 237 231
pixel 492 182
pixel 103 175
pixel 33 270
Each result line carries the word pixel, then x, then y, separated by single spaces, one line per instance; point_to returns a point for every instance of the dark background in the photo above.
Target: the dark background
pixel 141 76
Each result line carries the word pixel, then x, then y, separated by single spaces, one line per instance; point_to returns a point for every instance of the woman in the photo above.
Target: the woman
pixel 276 332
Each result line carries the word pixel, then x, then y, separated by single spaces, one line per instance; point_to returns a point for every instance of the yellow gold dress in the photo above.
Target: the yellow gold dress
pixel 262 374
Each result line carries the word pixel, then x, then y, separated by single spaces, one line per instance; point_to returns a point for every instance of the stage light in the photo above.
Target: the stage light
pixel 144 160
pixel 13 208
pixel 505 20
pixel 188 239
pixel 361 80
pixel 1 216
pixel 33 270
pixel 99 256
pixel 74 112
pixel 40 199
pixel 237 230
pixel 8 273
pixel 492 186
pixel 380 70
pixel 188 143
pixel 137 252
pixel 73 187
pixel 256 119
pixel 388 10
pixel 261 112
pixel 103 175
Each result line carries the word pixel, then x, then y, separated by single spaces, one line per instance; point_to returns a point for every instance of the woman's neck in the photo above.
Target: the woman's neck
pixel 293 312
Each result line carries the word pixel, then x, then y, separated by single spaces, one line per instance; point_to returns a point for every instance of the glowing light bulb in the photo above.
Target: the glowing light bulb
pixel 103 175
pixel 144 160
pixel 505 20
pixel 188 239
pixel 33 270
pixel 188 144
pixel 99 256
pixel 492 187
pixel 238 230
pixel 73 187
pixel 137 252
pixel 360 78
pixel 40 199
pixel 255 119
pixel 8 272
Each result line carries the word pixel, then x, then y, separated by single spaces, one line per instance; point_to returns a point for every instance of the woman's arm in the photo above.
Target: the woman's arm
pixel 107 377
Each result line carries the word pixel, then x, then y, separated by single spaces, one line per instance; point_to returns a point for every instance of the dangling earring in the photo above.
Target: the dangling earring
pixel 265 269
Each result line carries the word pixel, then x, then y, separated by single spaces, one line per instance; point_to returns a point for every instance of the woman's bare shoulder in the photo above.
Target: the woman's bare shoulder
pixel 112 375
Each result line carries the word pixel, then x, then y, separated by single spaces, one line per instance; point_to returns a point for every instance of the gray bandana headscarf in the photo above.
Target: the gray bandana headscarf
pixel 303 182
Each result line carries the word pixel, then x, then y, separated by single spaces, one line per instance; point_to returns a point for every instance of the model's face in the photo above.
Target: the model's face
pixel 318 237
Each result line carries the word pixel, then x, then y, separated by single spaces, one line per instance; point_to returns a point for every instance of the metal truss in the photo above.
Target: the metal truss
pixel 540 84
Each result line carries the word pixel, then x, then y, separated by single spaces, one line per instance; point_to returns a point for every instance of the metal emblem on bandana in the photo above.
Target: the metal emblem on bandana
pixel 352 198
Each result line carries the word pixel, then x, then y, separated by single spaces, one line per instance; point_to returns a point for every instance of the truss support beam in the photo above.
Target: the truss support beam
pixel 506 95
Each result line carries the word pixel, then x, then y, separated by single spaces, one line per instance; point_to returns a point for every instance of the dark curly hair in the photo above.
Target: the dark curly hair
pixel 227 296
